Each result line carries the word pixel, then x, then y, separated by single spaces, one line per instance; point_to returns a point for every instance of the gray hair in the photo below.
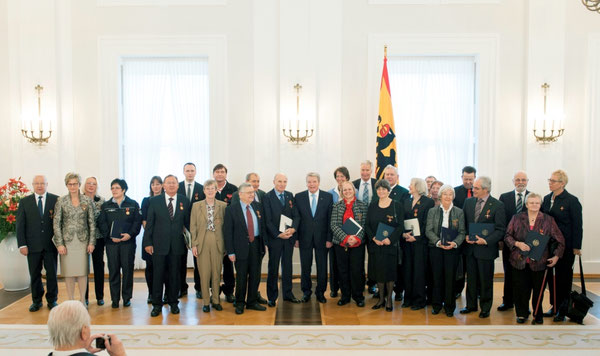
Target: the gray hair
pixel 389 166
pixel 314 174
pixel 533 195
pixel 210 182
pixel 366 163
pixel 249 175
pixel 447 187
pixel 65 323
pixel 72 175
pixel 420 185
pixel 486 183
pixel 245 185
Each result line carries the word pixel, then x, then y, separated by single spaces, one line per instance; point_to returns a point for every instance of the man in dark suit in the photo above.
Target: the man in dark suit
pixel 481 251
pixel 461 193
pixel 254 180
pixel 281 242
pixel 314 234
pixel 34 236
pixel 514 203
pixel 168 215
pixel 244 231
pixel 194 192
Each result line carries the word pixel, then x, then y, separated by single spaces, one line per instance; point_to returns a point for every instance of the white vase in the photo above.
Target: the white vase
pixel 14 271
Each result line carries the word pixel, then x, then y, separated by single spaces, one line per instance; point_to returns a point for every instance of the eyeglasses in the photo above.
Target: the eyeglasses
pixel 554 181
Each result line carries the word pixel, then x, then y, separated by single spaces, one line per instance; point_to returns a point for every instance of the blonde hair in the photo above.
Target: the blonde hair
pixel 562 176
pixel 72 175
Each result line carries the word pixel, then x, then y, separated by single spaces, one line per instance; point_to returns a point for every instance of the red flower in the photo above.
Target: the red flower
pixel 12 207
pixel 11 218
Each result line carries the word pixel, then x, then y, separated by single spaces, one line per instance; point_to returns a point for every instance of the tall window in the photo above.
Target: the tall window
pixel 434 106
pixel 165 119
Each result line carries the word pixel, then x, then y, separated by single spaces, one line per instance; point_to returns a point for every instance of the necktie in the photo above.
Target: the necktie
pixel 170 207
pixel 365 197
pixel 281 199
pixel 519 203
pixel 478 208
pixel 189 192
pixel 40 206
pixel 313 205
pixel 250 224
pixel 469 193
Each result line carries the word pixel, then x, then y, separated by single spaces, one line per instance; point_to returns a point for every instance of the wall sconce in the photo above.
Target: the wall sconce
pixel 298 129
pixel 551 127
pixel 37 131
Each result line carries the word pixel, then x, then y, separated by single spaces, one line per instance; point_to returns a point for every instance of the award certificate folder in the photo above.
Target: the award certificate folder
pixel 537 245
pixel 384 231
pixel 481 230
pixel 284 223
pixel 412 225
pixel 351 227
pixel 117 228
pixel 448 235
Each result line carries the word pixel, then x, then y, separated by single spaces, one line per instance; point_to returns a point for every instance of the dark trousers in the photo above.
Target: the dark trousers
pixel 35 261
pixel 524 281
pixel 507 297
pixel 166 267
pixel 247 276
pixel 351 265
pixel 120 257
pixel 564 281
pixel 399 284
pixel 482 272
pixel 280 251
pixel 334 273
pixel 183 274
pixel 98 263
pixel 459 282
pixel 228 279
pixel 149 274
pixel 414 261
pixel 428 277
pixel 443 267
pixel 306 260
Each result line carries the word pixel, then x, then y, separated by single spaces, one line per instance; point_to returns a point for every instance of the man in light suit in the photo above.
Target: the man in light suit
pixel 314 234
pixel 278 202
pixel 168 215
pixel 514 203
pixel 34 236
pixel 243 231
pixel 481 251
pixel 194 192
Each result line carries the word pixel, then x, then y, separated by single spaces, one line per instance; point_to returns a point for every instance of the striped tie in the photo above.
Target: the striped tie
pixel 520 203
pixel 170 207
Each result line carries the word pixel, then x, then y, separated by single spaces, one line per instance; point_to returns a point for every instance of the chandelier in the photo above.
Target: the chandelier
pixel 592 5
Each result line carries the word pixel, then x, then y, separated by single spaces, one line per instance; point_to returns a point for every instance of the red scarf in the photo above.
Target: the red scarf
pixel 349 214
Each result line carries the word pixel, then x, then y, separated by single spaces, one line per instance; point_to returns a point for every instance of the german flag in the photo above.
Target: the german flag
pixel 386 138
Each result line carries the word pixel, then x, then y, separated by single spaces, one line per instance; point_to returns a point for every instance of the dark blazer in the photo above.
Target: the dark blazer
pixel 517 231
pixel 226 193
pixel 314 228
pixel 164 234
pixel 567 213
pixel 129 212
pixel 197 192
pixel 235 230
pixel 510 204
pixel 235 197
pixel 398 193
pixel 274 210
pixel 492 213
pixel 420 212
pixel 434 225
pixel 460 195
pixel 34 231
pixel 358 182
pixel 359 209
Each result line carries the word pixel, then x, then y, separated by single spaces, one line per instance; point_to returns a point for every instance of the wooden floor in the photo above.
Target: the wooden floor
pixel 312 313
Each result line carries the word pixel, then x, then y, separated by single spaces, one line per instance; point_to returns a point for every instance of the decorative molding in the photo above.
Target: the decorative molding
pixel 433 2
pixel 114 3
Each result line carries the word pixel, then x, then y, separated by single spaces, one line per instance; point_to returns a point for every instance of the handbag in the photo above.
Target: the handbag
pixel 579 303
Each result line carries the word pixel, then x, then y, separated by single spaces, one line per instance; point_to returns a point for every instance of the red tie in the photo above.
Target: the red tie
pixel 469 193
pixel 250 224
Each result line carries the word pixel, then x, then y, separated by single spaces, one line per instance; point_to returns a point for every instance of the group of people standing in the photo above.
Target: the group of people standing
pixel 422 259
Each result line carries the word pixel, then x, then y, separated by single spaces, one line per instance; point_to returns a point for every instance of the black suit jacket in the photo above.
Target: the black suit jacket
pixel 510 204
pixel 491 213
pixel 34 231
pixel 419 212
pixel 567 213
pixel 235 198
pixel 314 228
pixel 460 195
pixel 226 193
pixel 235 230
pixel 398 194
pixel 164 234
pixel 197 192
pixel 274 210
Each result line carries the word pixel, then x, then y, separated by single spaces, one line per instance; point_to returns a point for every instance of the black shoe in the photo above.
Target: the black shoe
pixel 360 303
pixel 149 300
pixel 467 310
pixel 261 300
pixel 520 320
pixel 406 305
pixel 174 309
pixel 305 298
pixel 256 306
pixel 436 310
pixel 537 320
pixel 271 303
pixel 217 307
pixel 484 315
pixel 51 305
pixel 372 290
pixel 115 305
pixel 398 297
pixel 100 302
pixel 155 311
pixel 505 307
pixel 417 307
pixel 449 314
pixel 343 302
pixel 559 317
pixel 206 309
pixel 549 313
pixel 333 294
pixel 321 299
pixel 127 303
pixel 198 295
pixel 380 304
pixel 165 300
pixel 292 299
pixel 229 298
pixel 239 309
pixel 35 307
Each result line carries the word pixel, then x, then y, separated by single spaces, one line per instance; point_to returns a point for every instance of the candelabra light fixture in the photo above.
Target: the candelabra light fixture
pixel 297 130
pixel 592 5
pixel 37 131
pixel 547 129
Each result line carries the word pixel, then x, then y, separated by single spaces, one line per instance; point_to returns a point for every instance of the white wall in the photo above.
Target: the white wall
pixel 323 45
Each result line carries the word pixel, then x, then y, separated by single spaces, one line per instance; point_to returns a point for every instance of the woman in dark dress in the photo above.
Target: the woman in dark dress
pixel 383 255
pixel 414 247
pixel 156 188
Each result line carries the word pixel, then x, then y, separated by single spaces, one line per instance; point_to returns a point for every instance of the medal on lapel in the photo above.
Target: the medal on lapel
pixel 389 218
pixel 541 231
pixel 359 216
pixel 291 205
pixel 51 213
pixel 126 211
pixel 257 213
pixel 181 206
pixel 562 208
pixel 487 214
pixel 196 196
pixel 416 211
pixel 455 223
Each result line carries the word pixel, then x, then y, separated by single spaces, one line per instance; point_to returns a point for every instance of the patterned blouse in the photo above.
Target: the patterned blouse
pixel 98 201
pixel 71 222
pixel 210 210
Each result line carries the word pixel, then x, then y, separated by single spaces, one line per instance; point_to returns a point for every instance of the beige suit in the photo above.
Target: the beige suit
pixel 210 246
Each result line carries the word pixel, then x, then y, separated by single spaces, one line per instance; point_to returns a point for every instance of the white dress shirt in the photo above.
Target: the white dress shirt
pixel 361 189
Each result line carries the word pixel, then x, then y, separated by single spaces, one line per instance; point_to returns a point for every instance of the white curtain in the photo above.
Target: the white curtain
pixel 165 122
pixel 434 107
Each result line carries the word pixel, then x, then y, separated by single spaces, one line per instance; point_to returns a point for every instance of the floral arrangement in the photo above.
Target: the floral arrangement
pixel 10 195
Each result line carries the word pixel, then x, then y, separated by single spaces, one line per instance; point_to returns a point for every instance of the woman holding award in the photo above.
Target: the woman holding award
pixel 384 226
pixel 445 231
pixel 528 274
pixel 349 248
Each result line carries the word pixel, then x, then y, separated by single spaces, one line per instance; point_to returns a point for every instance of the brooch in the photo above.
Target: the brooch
pixel 126 211
pixel 389 217
pixel 83 206
pixel 51 213
pixel 562 208
pixel 455 222
pixel 416 211
pixel 541 231
pixel 487 214
pixel 359 216
pixel 180 206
